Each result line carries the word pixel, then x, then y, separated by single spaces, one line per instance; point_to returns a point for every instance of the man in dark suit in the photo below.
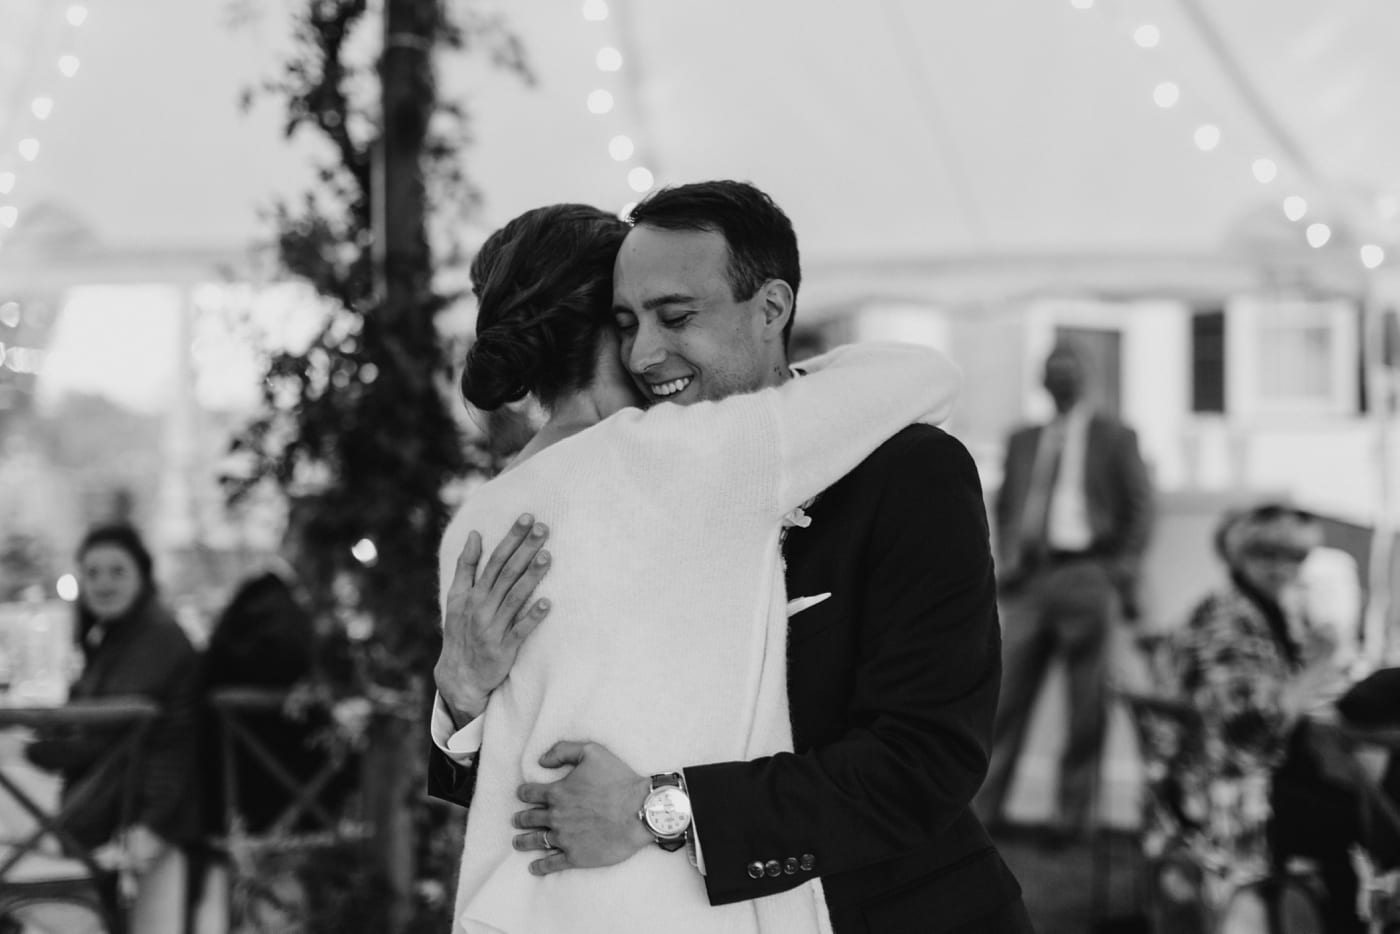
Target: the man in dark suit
pixel 1073 517
pixel 893 664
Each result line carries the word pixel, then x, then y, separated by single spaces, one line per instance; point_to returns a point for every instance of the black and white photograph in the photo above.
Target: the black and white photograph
pixel 744 467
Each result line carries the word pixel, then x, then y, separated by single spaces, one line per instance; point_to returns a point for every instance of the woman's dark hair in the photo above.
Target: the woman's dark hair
pixel 762 243
pixel 117 535
pixel 543 283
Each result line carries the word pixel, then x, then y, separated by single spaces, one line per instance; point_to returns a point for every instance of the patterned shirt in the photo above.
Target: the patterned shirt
pixel 1208 781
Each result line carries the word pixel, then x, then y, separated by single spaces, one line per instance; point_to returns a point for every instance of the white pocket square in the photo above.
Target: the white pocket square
pixel 798 604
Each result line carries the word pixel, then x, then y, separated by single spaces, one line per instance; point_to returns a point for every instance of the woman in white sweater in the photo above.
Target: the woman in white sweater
pixel 667 641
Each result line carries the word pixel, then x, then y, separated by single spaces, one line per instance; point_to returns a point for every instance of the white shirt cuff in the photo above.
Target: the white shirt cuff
pixel 461 746
pixel 696 854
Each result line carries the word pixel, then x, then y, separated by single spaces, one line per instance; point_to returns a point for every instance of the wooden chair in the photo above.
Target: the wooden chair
pixel 70 879
pixel 263 891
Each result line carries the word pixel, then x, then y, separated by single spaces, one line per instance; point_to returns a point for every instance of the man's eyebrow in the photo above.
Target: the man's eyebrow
pixel 661 301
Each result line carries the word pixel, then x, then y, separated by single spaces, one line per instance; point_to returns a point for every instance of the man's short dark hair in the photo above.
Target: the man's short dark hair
pixel 762 244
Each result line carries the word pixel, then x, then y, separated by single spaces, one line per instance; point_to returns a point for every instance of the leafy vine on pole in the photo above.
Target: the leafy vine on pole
pixel 356 428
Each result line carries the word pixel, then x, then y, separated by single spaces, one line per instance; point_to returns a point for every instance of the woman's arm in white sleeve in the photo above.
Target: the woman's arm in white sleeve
pixel 783 445
pixel 849 402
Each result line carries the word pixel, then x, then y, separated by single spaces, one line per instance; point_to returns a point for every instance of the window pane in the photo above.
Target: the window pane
pixel 1295 360
pixel 1208 361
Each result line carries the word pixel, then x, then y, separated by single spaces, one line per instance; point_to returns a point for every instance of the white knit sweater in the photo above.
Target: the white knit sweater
pixel 667 638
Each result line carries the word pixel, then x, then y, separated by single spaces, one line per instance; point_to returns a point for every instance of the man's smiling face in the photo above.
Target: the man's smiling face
pixel 684 336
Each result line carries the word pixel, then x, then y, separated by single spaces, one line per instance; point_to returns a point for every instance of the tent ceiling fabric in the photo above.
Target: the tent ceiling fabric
pixel 896 128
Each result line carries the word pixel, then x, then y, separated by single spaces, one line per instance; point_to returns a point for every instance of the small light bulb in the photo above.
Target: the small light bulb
pixel 640 179
pixel 29 148
pixel 1388 206
pixel 1082 4
pixel 365 552
pixel 1372 256
pixel 67 588
pixel 41 107
pixel 626 212
pixel 77 14
pixel 1265 170
pixel 7 182
pixel 1166 94
pixel 68 65
pixel 1207 137
pixel 621 148
pixel 1147 36
pixel 1294 208
pixel 595 11
pixel 1318 235
pixel 9 215
pixel 609 59
pixel 600 102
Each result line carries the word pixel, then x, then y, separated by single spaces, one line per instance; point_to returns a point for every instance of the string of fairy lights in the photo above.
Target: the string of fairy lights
pixel 601 101
pixel 35 117
pixel 1208 137
pixel 17 155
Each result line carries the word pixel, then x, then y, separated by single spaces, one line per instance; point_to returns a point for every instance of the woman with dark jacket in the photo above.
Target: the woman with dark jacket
pixel 132 647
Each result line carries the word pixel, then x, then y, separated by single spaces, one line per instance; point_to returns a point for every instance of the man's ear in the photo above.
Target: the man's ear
pixel 777 300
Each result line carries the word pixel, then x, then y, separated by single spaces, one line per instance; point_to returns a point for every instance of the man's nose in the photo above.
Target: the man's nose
pixel 646 350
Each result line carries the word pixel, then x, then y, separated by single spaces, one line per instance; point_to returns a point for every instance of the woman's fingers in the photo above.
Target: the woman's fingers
pixel 505 550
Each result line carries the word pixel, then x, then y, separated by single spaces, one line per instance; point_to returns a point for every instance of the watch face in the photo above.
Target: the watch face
pixel 668 812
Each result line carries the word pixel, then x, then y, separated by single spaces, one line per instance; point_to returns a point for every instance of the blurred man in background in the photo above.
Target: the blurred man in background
pixel 1073 517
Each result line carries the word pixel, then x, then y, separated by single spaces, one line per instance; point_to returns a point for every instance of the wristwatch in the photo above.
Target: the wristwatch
pixel 666 811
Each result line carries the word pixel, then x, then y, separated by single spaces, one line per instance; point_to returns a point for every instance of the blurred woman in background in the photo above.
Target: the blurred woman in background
pixel 132 647
pixel 1255 668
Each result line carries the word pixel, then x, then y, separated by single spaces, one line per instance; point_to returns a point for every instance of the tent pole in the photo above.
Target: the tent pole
pixel 1380 387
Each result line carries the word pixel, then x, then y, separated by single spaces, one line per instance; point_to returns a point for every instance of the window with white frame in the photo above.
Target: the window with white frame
pixel 1291 356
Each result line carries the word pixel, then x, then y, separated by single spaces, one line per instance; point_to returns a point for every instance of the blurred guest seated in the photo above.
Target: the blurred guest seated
pixel 1371 707
pixel 132 647
pixel 1255 669
pixel 266 638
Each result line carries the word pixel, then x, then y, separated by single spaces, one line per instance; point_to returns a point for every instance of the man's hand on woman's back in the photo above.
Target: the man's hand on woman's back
pixel 489 615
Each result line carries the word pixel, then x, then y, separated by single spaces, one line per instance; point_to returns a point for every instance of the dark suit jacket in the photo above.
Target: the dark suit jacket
pixel 893 684
pixel 1117 492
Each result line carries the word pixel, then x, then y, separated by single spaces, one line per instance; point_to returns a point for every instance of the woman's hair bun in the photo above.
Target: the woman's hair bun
pixel 498 370
pixel 543 284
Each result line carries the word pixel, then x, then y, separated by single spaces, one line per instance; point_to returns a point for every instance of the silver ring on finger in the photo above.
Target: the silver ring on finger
pixel 548 843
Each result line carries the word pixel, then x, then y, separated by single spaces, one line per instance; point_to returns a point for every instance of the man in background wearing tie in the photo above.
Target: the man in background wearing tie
pixel 1073 516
